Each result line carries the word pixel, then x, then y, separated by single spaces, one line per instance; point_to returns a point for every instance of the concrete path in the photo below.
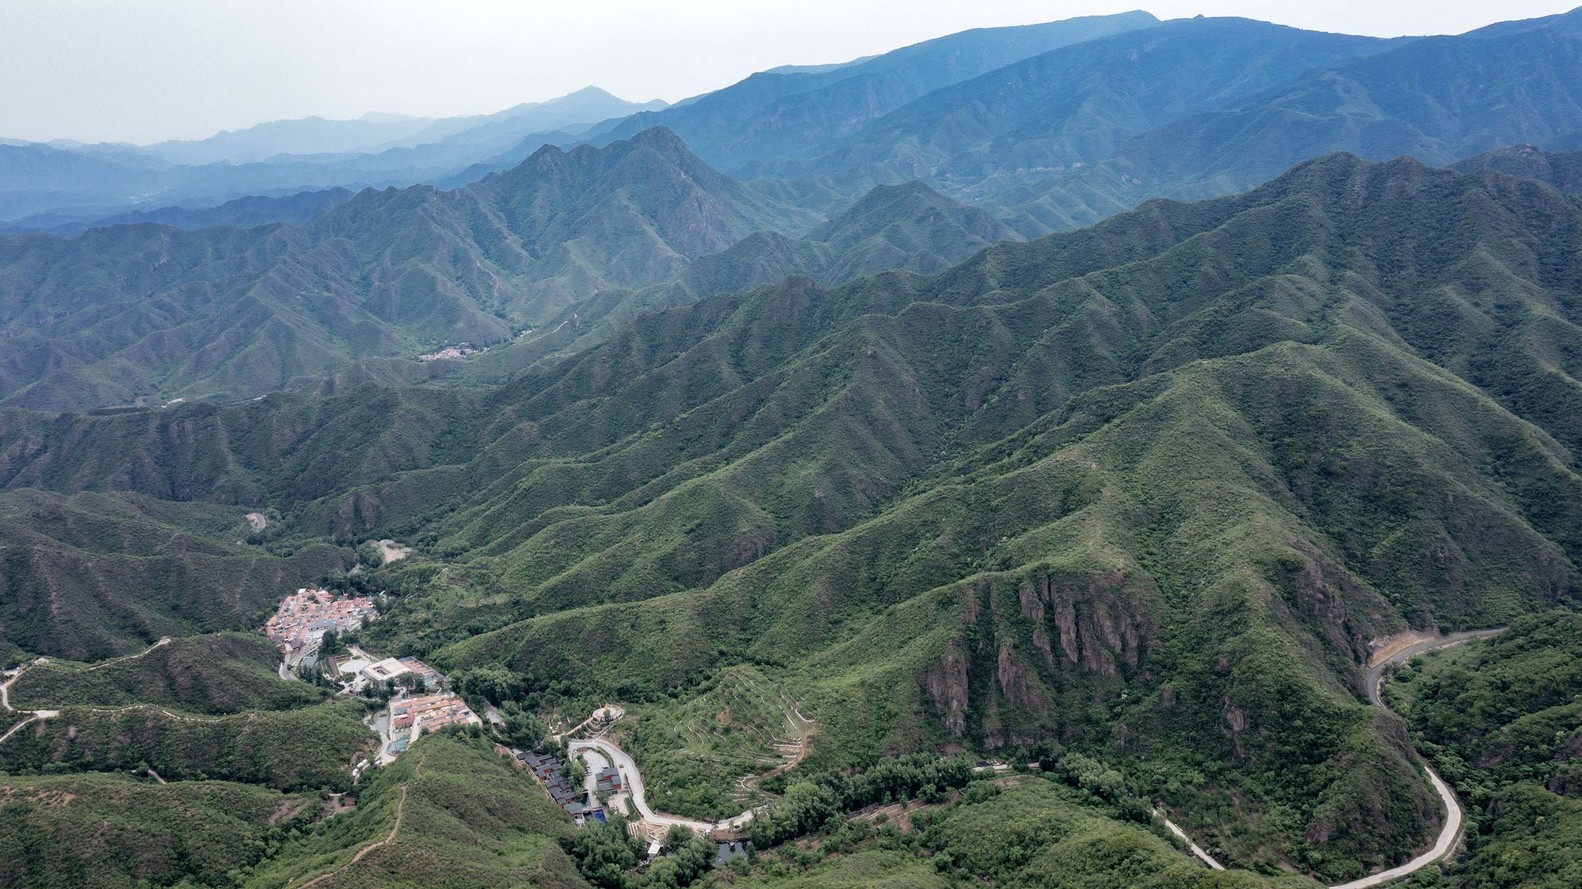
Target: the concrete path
pixel 1196 849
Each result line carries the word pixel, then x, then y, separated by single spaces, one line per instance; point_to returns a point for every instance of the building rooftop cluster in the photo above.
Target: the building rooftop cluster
pixel 551 770
pixel 303 618
pixel 411 717
pixel 391 669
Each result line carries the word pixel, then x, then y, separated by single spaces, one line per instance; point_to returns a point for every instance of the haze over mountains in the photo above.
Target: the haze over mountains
pixel 1107 394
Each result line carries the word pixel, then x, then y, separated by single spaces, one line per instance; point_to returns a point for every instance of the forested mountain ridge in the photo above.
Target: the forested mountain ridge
pixel 144 312
pixel 46 184
pixel 770 116
pixel 1149 488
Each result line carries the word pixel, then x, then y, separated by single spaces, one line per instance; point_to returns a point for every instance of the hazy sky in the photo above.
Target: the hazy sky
pixel 143 70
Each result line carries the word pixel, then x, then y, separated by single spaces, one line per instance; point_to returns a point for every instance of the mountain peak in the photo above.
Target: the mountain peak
pixel 660 138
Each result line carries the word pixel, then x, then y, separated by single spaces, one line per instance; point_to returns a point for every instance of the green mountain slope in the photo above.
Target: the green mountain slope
pixel 908 226
pixel 304 749
pixel 1129 541
pixel 92 576
pixel 218 674
pixel 110 831
pixel 449 812
pixel 1503 719
pixel 1149 488
pixel 1521 88
pixel 134 312
pixel 774 115
pixel 1029 122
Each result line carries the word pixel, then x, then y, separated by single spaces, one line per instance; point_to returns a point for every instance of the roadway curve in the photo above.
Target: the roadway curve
pixel 1454 817
pixel 633 779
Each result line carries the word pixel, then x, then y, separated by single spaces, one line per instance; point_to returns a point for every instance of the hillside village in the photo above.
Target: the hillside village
pixel 603 783
pixel 298 628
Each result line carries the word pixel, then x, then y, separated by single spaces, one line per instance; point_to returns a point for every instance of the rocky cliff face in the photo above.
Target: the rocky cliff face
pixel 1027 647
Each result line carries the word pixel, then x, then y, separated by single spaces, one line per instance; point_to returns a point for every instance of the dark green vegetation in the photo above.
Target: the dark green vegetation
pixel 1147 488
pixel 1033 833
pixel 110 831
pixel 302 749
pixel 198 708
pixel 1502 721
pixel 738 725
pixel 449 812
pixel 1131 500
pixel 219 674
pixel 93 575
pixel 145 313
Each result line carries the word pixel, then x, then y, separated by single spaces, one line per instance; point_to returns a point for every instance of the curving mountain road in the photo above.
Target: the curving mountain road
pixel 633 779
pixel 1453 814
pixel 1454 817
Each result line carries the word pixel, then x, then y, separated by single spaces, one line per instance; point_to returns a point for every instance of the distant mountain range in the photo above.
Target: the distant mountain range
pixel 70 183
pixel 541 248
pixel 136 312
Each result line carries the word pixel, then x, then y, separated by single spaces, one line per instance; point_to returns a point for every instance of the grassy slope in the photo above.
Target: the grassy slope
pixel 93 576
pixel 224 673
pixel 306 748
pixel 467 818
pixel 108 831
pixel 196 708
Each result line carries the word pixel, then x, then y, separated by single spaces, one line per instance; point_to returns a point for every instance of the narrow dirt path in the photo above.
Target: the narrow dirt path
pixel 377 844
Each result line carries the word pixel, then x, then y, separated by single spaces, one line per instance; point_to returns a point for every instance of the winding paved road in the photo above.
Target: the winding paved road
pixel 1454 817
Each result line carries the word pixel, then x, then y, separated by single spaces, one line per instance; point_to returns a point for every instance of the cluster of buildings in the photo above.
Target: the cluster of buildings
pixel 411 717
pixel 551 770
pixel 304 617
pixel 390 669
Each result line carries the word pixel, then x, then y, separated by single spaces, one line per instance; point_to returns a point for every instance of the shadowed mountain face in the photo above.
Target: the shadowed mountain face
pixel 1149 487
pixel 771 116
pixel 1077 105
pixel 125 312
pixel 1562 169
pixel 1436 99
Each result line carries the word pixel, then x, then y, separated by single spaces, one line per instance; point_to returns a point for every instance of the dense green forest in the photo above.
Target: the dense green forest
pixel 1502 720
pixel 838 485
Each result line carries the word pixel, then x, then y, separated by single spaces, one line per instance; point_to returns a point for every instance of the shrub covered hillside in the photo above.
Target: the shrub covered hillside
pixel 1502 721
pixel 222 673
pixel 114 832
pixel 451 812
pixel 1149 489
pixel 195 708
pixel 96 575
